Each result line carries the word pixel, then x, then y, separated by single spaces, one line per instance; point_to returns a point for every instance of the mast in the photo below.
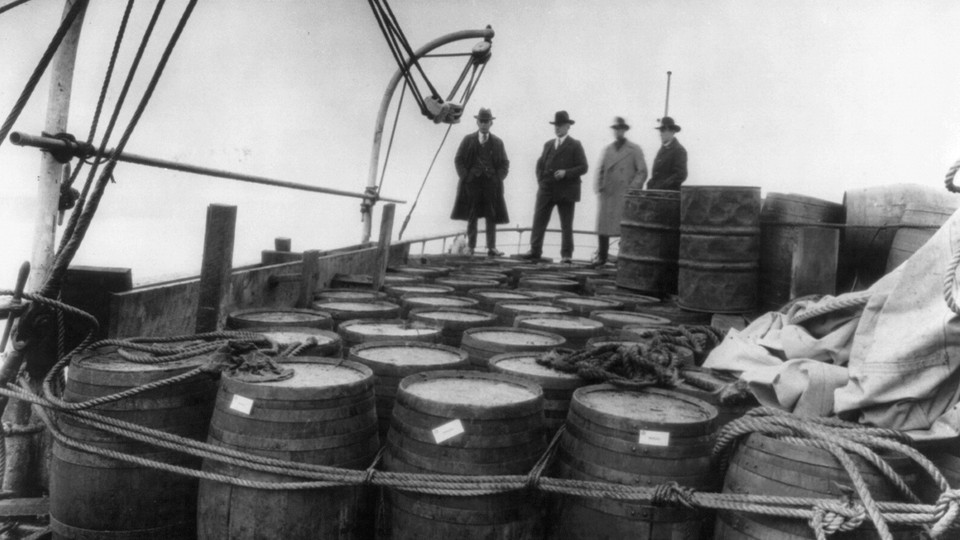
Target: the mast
pixel 367 212
pixel 48 190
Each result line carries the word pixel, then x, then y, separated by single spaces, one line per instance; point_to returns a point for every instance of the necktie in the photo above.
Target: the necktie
pixel 483 138
pixel 556 143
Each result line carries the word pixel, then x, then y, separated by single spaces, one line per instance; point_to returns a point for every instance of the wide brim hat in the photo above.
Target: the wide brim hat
pixel 667 123
pixel 620 123
pixel 561 117
pixel 484 115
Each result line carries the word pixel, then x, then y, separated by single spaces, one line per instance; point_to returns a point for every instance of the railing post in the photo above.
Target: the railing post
pixel 217 265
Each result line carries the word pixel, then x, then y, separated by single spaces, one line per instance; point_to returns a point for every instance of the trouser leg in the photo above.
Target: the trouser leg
pixel 472 232
pixel 565 209
pixel 603 247
pixel 491 234
pixel 541 217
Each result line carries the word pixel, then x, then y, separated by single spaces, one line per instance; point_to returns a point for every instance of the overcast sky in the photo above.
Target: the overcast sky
pixel 809 97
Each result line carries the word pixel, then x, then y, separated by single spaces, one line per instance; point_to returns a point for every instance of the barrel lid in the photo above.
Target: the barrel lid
pixel 463 282
pixel 313 378
pixel 550 274
pixel 536 279
pixel 407 354
pixel 470 394
pixel 562 322
pixel 595 342
pixel 348 294
pixel 623 318
pixel 295 334
pixel 340 306
pixel 499 294
pixel 526 306
pixel 590 301
pixel 445 301
pixel 647 409
pixel 475 274
pixel 628 299
pixel 524 364
pixel 424 271
pixel 453 314
pixel 400 279
pixel 419 289
pixel 244 318
pixel 105 366
pixel 398 328
pixel 517 337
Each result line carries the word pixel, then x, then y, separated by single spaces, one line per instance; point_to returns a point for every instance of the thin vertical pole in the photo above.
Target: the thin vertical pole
pixel 666 106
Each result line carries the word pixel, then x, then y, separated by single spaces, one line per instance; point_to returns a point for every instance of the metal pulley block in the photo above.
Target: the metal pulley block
pixel 443 111
pixel 481 52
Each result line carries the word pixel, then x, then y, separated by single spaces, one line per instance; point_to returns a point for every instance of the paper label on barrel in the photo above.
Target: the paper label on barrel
pixel 654 438
pixel 241 404
pixel 447 431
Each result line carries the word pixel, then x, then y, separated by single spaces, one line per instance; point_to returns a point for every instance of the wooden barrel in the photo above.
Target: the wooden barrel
pixel 345 310
pixel 501 279
pixel 764 465
pixel 365 281
pixel 357 331
pixel 488 298
pixel 453 321
pixel 426 271
pixel 918 225
pixel 630 301
pixel 507 311
pixel 559 284
pixel 97 497
pixel 324 415
pixel 719 248
pixel 313 341
pixel 615 320
pixel 583 275
pixel 411 303
pixel 350 295
pixel 784 218
pixel 575 329
pixel 593 285
pixel 557 386
pixel 391 361
pixel 278 317
pixel 649 241
pixel 396 292
pixel 463 284
pixel 548 295
pixel 711 387
pixel 872 216
pixel 647 438
pixel 466 423
pixel 585 305
pixel 484 343
pixel 668 309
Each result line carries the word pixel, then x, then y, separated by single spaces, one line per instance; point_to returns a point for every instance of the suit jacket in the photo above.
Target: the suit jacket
pixel 570 158
pixel 475 183
pixel 620 170
pixel 669 167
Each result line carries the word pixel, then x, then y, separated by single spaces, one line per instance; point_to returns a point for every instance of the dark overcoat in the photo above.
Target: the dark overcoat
pixel 480 191
pixel 669 167
pixel 568 157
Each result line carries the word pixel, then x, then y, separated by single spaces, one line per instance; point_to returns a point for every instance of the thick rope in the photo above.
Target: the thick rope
pixel 38 71
pixel 948 179
pixel 851 300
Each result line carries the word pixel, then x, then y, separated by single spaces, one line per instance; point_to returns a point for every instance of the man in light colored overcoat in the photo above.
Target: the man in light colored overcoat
pixel 622 167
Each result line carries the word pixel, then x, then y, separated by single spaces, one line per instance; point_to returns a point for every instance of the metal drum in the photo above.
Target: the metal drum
pixel 649 241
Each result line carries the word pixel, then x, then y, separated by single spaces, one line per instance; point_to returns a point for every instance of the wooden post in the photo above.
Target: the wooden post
pixel 217 265
pixel 309 276
pixel 282 244
pixel 48 188
pixel 383 246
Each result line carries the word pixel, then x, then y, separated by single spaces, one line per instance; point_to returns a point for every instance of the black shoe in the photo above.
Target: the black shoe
pixel 566 260
pixel 493 252
pixel 531 256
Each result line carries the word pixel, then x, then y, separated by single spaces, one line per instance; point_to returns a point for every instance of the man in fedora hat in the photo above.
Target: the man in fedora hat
pixel 482 165
pixel 622 167
pixel 562 162
pixel 670 165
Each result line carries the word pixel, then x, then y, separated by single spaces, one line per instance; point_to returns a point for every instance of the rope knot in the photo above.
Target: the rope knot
pixel 672 493
pixel 946 511
pixel 829 518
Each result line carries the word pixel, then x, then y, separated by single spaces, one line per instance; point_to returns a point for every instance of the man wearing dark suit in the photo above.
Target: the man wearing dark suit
pixel 559 169
pixel 670 165
pixel 482 165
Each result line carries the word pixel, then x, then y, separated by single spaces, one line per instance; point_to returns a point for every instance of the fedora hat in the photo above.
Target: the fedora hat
pixel 484 115
pixel 667 123
pixel 561 117
pixel 619 123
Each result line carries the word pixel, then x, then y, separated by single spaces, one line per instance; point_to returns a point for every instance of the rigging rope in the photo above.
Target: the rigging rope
pixel 12 5
pixel 64 257
pixel 31 85
pixel 406 220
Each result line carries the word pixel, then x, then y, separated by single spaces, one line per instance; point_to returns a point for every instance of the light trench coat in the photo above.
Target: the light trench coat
pixel 619 171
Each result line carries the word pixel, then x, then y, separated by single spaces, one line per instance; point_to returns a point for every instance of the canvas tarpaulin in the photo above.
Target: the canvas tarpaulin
pixel 892 361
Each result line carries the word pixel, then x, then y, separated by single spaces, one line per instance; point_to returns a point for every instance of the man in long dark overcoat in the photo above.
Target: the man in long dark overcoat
pixel 562 162
pixel 482 165
pixel 670 165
